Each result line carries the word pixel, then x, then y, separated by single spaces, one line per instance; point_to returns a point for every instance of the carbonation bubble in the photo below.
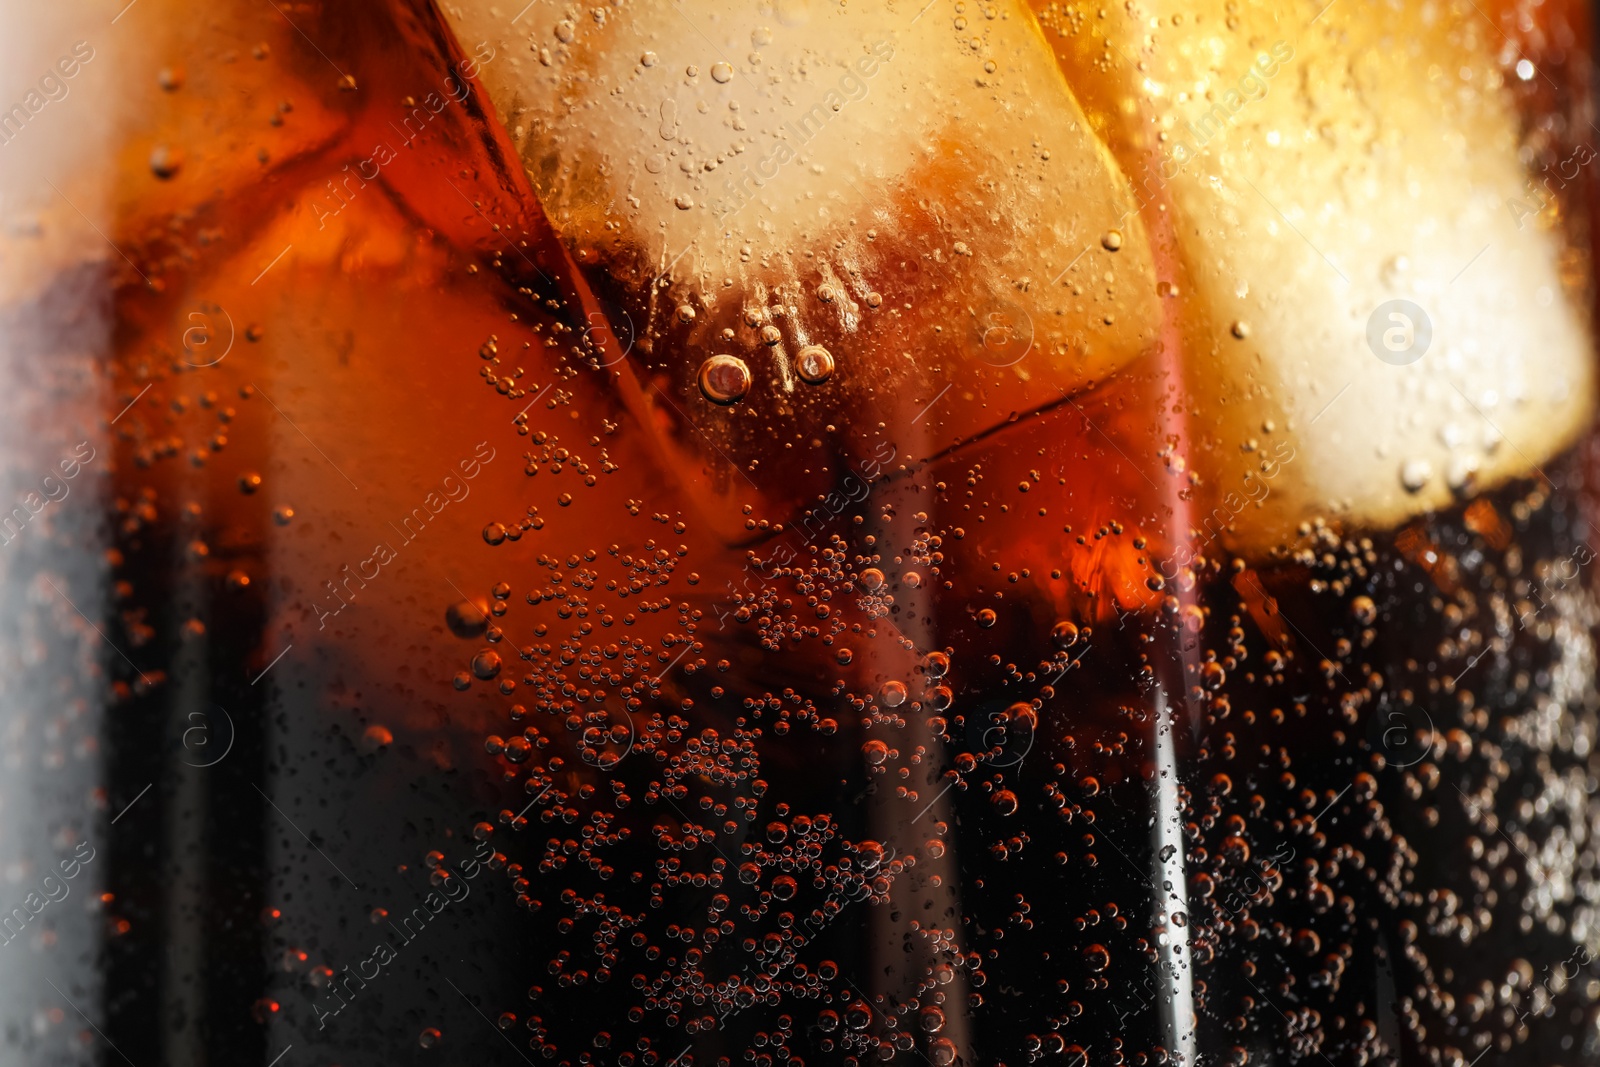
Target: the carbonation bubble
pixel 1097 957
pixel 1021 721
pixel 872 579
pixel 1065 635
pixel 724 379
pixel 814 364
pixel 1363 610
pixel 466 619
pixel 165 161
pixel 875 752
pixel 486 664
pixel 893 694
pixel 1415 474
pixel 721 73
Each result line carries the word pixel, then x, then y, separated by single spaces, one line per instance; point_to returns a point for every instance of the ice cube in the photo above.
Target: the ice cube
pixel 1351 269
pixel 910 187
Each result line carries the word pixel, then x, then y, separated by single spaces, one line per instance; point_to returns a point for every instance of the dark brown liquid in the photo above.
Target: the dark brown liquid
pixel 753 793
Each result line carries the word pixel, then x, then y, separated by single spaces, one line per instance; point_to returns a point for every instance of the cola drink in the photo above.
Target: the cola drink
pixel 784 533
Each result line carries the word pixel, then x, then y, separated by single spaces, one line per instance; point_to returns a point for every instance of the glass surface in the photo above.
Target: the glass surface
pixel 798 532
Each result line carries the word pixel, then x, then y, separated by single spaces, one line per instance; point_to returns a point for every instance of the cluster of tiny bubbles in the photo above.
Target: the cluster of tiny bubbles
pixel 680 850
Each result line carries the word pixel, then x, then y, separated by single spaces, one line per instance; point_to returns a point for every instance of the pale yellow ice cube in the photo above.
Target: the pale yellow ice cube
pixel 909 185
pixel 1370 325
